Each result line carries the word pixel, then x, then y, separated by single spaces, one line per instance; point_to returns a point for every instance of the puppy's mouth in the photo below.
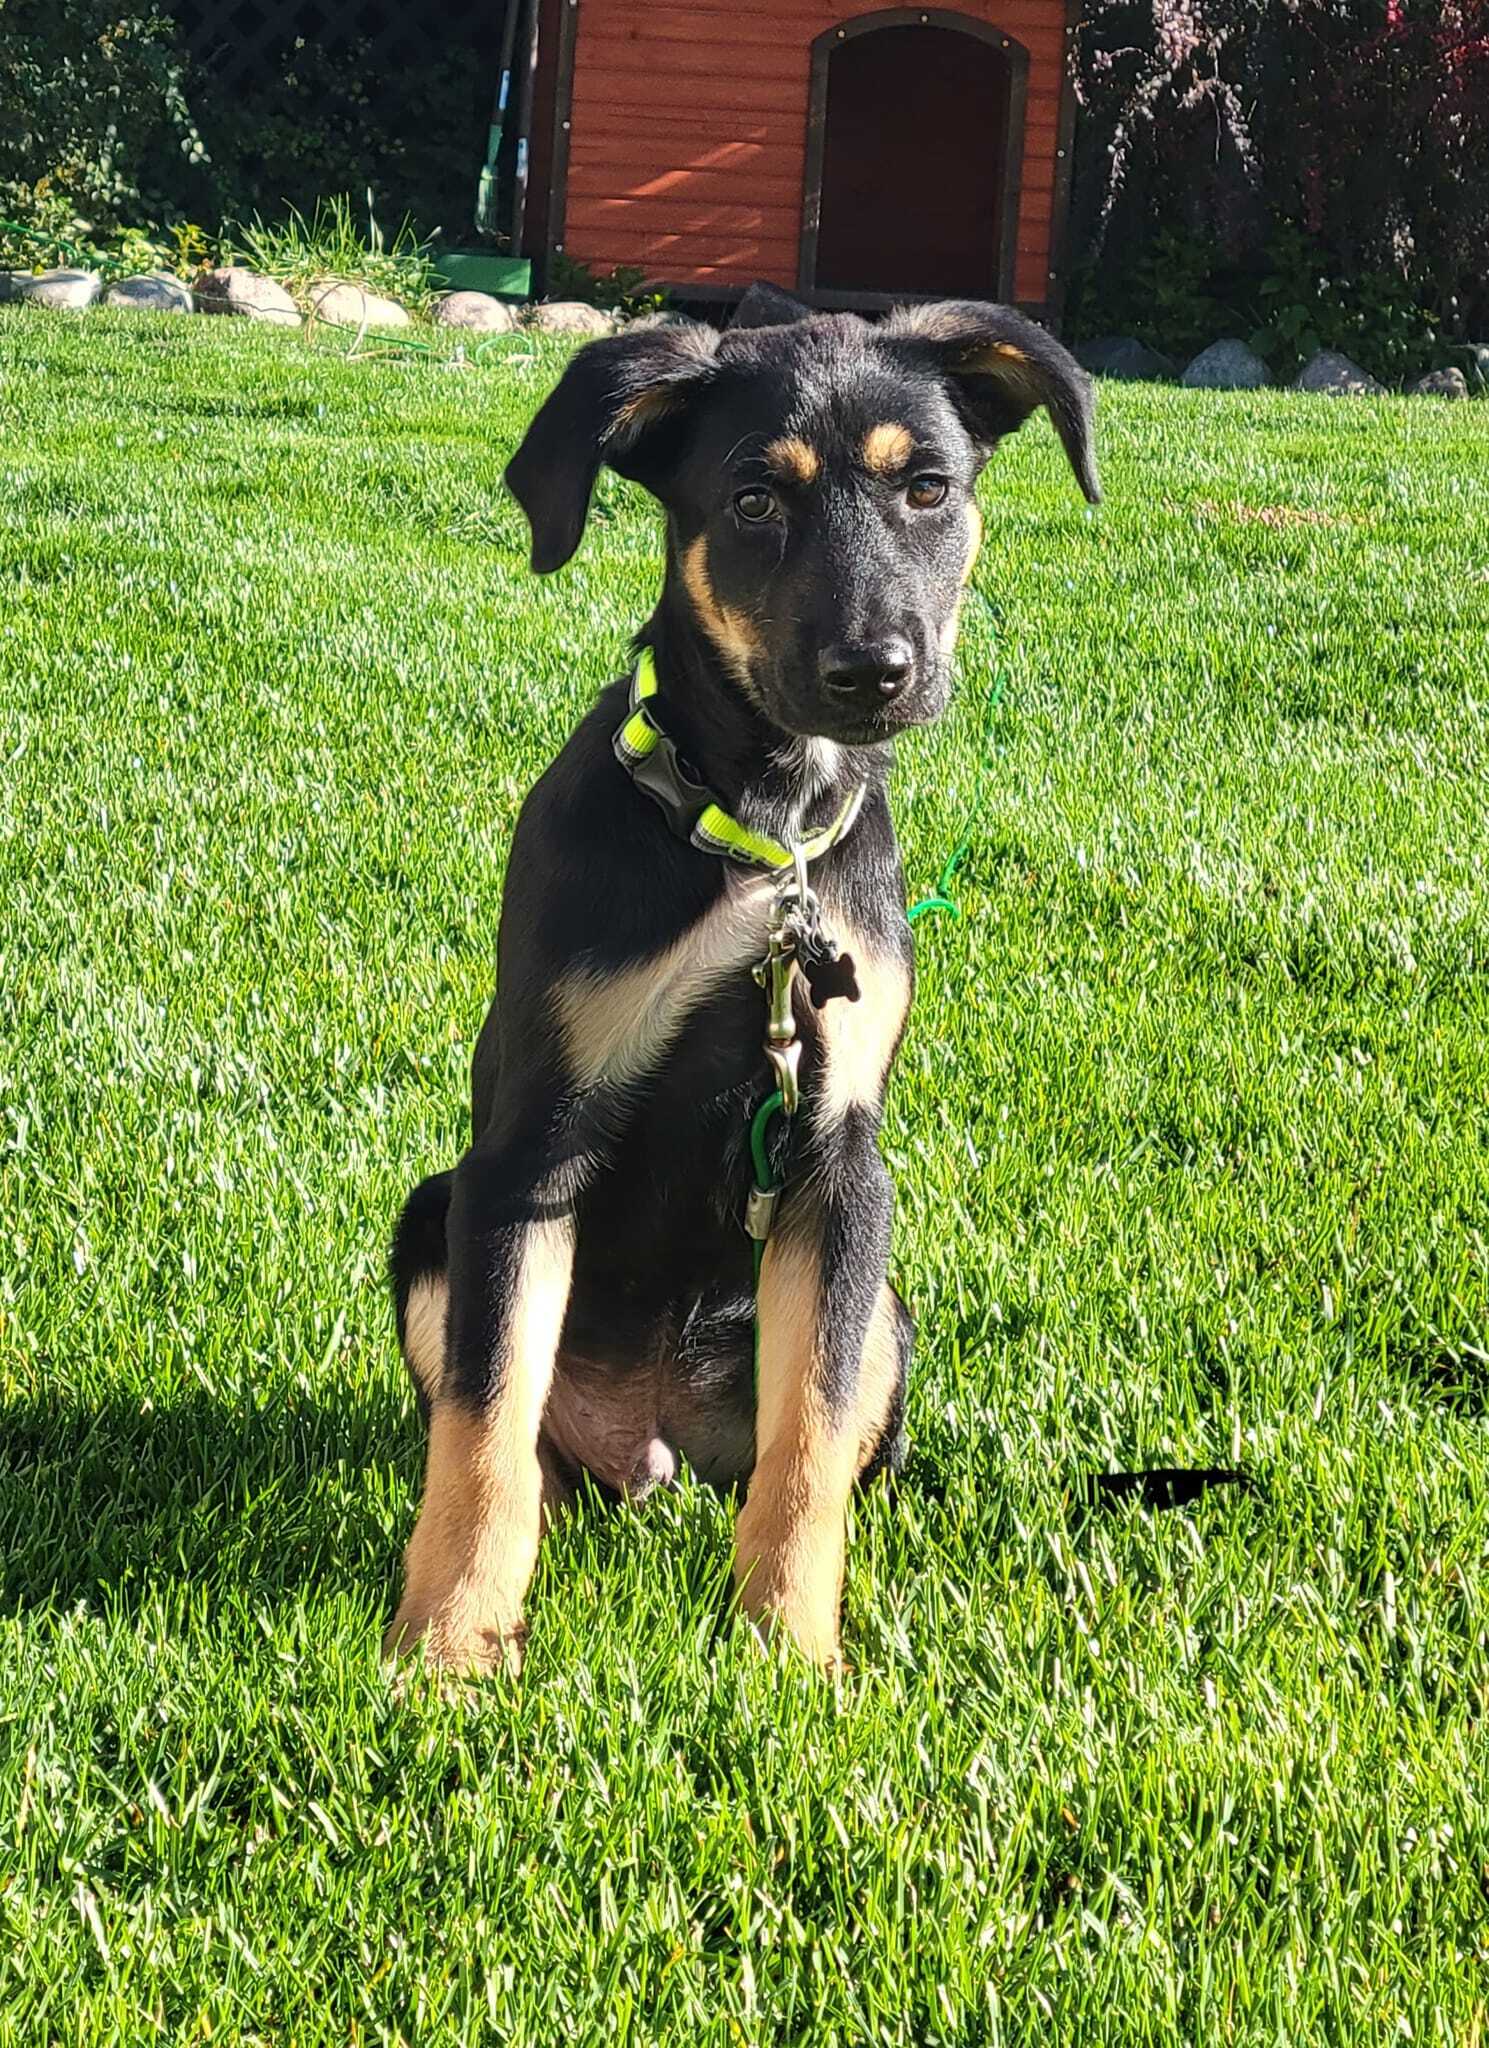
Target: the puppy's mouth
pixel 867 725
pixel 866 732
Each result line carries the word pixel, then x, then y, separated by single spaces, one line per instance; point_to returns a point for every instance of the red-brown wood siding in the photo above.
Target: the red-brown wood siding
pixel 687 145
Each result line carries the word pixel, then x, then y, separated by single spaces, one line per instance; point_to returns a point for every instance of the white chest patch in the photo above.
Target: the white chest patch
pixel 618 1027
pixel 859 1039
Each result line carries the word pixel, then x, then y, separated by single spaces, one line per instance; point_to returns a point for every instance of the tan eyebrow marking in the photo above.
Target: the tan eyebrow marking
pixel 887 447
pixel 792 457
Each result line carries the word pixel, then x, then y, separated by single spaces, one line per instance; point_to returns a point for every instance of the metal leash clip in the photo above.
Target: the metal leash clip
pixel 797 943
pixel 776 974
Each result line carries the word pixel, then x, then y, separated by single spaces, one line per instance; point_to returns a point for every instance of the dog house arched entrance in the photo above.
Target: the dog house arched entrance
pixel 915 146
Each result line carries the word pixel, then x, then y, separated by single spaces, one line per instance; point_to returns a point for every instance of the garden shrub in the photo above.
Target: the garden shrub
pixel 107 122
pixel 311 123
pixel 1318 171
pixel 95 127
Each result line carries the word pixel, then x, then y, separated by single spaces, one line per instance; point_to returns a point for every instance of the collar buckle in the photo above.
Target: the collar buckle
pixel 649 756
pixel 681 801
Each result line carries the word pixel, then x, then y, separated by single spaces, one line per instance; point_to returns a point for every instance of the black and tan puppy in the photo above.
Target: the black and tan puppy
pixel 577 1292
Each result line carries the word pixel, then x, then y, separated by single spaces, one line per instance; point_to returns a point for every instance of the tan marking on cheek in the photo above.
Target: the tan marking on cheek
pixel 795 459
pixel 887 447
pixel 618 1026
pixel 424 1332
pixel 974 539
pixel 730 631
pixel 859 1039
pixel 476 1540
pixel 788 1561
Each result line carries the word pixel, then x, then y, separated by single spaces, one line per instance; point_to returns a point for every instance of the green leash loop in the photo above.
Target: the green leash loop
pixel 765 1180
pixel 941 898
pixel 766 1183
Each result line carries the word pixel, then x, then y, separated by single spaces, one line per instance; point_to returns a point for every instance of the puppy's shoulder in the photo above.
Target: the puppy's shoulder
pixel 594 868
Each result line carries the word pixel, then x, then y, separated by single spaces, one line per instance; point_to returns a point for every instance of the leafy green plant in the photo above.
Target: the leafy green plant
pixel 308 121
pixel 1177 295
pixel 43 229
pixel 1168 296
pixel 623 290
pixel 302 252
pixel 1374 317
pixel 50 232
pixel 1359 125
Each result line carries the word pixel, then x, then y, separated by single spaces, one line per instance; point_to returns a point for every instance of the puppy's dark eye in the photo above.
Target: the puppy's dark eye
pixel 754 505
pixel 926 492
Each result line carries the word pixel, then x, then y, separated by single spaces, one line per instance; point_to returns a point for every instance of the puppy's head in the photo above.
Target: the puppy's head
pixel 818 479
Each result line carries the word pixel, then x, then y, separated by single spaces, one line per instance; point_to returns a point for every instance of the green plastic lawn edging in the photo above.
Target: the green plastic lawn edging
pixel 477 270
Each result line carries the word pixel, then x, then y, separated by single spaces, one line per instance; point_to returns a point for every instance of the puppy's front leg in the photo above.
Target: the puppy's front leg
pixel 830 1371
pixel 511 1246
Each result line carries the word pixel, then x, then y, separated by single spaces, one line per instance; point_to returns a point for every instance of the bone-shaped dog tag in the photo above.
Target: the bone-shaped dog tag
pixel 829 971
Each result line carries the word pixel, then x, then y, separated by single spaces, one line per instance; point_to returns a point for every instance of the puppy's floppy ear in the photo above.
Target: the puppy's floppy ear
pixel 999 367
pixel 622 401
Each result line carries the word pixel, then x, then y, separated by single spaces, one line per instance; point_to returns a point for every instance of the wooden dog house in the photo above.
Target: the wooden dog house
pixel 855 158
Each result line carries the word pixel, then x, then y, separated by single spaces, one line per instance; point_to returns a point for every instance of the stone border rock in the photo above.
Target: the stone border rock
pixel 1122 355
pixel 1232 365
pixel 350 305
pixel 475 313
pixel 1336 376
pixel 1441 384
pixel 62 290
pixel 153 291
pixel 247 294
pixel 570 316
pixel 1226 366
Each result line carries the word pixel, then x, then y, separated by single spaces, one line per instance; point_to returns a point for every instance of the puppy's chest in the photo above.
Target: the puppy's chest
pixel 620 1026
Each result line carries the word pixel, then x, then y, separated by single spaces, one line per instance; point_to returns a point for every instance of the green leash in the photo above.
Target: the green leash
pixel 768 1183
pixel 941 897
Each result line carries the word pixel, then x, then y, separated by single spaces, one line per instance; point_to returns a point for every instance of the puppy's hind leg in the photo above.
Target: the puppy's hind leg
pixel 418 1263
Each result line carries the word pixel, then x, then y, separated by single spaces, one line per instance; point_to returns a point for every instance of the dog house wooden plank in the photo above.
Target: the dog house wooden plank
pixel 690 146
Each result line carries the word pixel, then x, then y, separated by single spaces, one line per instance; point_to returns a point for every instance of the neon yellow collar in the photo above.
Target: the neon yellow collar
pixel 649 757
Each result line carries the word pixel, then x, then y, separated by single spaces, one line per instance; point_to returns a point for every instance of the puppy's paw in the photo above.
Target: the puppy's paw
pixel 777 1638
pixel 454 1644
pixel 794 1628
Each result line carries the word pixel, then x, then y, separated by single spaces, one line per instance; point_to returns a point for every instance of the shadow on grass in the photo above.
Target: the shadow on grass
pixel 111 1501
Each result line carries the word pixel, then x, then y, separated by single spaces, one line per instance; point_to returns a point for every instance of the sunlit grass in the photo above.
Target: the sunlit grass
pixel 1191 1138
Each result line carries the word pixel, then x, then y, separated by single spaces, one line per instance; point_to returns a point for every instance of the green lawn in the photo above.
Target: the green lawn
pixel 1191 1135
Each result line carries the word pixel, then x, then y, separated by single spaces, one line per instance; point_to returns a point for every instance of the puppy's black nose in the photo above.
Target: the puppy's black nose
pixel 874 671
